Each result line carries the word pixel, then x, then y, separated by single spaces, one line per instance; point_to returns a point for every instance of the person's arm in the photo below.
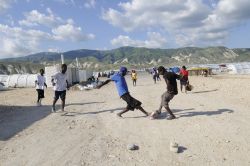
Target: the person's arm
pixel 52 81
pixel 67 84
pixel 45 85
pixel 104 83
pixel 36 82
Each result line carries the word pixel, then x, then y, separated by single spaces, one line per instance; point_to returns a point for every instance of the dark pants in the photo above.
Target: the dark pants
pixel 61 94
pixel 132 103
pixel 40 94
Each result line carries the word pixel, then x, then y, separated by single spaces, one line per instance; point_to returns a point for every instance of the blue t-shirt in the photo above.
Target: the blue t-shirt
pixel 120 83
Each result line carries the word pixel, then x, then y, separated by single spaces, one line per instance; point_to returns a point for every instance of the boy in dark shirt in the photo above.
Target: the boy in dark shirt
pixel 170 79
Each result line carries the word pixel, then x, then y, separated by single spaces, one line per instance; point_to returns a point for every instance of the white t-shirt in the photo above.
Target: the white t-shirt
pixel 60 81
pixel 40 81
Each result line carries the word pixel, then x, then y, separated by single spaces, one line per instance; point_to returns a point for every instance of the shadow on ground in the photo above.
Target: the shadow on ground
pixel 205 113
pixel 190 113
pixel 206 91
pixel 91 113
pixel 14 119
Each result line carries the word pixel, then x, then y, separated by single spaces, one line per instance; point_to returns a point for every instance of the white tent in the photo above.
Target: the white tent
pixel 84 75
pixel 3 78
pixel 239 68
pixel 21 80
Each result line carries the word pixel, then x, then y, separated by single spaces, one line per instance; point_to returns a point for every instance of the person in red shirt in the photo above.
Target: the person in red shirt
pixel 184 78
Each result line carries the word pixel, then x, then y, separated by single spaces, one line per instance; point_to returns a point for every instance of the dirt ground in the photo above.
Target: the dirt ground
pixel 212 126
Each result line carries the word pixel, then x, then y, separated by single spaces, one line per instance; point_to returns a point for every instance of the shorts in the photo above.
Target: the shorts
pixel 61 94
pixel 132 103
pixel 40 93
pixel 165 98
pixel 183 82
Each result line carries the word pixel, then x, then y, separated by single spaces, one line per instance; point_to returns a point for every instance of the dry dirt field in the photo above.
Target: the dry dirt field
pixel 212 126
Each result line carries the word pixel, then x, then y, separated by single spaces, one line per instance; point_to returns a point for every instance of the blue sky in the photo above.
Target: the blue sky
pixel 31 26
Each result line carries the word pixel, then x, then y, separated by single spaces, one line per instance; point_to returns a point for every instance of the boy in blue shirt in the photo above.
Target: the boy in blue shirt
pixel 123 92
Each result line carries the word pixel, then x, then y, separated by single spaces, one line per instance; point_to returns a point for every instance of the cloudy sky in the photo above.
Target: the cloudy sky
pixel 31 26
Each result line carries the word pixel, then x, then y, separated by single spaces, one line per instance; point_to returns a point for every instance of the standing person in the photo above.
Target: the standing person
pixel 184 78
pixel 134 77
pixel 170 79
pixel 40 84
pixel 123 92
pixel 154 73
pixel 60 83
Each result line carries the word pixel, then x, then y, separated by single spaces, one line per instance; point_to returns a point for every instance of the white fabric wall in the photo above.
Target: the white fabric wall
pixel 4 78
pixel 84 75
pixel 239 68
pixel 21 80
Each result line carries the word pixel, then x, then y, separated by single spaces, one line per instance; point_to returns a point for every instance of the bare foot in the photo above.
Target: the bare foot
pixel 119 115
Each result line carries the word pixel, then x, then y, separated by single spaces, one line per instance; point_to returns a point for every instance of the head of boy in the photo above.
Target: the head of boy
pixel 161 70
pixel 184 67
pixel 64 68
pixel 42 72
pixel 123 71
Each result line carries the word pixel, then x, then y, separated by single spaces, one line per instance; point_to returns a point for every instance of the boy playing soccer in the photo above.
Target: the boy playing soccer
pixel 122 89
pixel 60 83
pixel 170 79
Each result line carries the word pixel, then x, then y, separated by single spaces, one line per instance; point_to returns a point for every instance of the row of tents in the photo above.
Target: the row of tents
pixel 74 75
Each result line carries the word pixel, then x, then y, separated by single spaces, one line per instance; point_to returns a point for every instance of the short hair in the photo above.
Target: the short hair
pixel 184 67
pixel 41 70
pixel 64 65
pixel 161 69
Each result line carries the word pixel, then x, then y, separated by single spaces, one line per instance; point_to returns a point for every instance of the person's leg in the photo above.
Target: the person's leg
pixel 172 116
pixel 54 101
pixel 135 82
pixel 122 112
pixel 38 96
pixel 143 111
pixel 63 104
pixel 181 86
pixel 63 97
pixel 53 106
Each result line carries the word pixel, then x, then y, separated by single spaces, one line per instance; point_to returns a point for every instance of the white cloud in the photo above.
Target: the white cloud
pixel 16 41
pixel 69 32
pixel 155 40
pixel 90 4
pixel 189 22
pixel 35 18
pixel 5 4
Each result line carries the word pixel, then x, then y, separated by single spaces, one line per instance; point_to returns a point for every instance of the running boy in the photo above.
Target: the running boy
pixel 40 84
pixel 60 83
pixel 123 92
pixel 170 79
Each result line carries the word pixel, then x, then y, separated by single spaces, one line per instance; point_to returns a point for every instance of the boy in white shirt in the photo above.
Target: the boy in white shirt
pixel 60 83
pixel 40 84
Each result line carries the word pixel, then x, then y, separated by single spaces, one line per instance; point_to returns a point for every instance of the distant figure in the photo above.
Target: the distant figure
pixel 123 92
pixel 184 78
pixel 134 77
pixel 60 83
pixel 40 84
pixel 170 79
pixel 154 74
pixel 205 73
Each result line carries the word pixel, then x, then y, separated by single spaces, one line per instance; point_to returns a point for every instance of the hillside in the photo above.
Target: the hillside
pixel 129 56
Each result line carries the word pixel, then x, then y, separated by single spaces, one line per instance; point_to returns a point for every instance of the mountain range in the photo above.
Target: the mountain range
pixel 132 57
